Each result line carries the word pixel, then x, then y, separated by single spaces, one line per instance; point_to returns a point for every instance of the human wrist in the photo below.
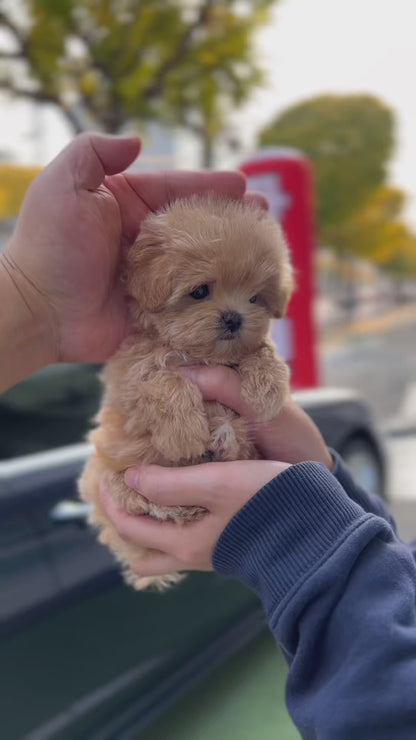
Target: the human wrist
pixel 27 335
pixel 285 531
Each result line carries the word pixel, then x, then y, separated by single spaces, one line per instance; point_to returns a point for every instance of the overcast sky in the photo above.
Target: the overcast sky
pixel 345 46
pixel 311 47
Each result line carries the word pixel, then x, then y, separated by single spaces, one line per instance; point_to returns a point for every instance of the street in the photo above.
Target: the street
pixel 401 452
pixel 380 363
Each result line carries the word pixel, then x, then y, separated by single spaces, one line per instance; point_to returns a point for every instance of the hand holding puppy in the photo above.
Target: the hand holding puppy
pixel 290 435
pixel 59 274
pixel 222 489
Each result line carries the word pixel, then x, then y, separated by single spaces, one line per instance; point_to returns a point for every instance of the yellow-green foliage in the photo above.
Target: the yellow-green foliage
pixel 181 62
pixel 349 139
pixel 379 234
pixel 14 181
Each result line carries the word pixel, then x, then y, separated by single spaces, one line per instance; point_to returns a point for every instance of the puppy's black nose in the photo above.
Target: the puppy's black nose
pixel 231 321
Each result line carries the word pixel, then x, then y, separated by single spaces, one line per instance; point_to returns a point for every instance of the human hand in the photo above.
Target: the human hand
pixel 64 256
pixel 220 488
pixel 291 436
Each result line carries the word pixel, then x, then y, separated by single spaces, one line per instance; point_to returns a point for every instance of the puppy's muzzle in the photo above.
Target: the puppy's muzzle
pixel 231 322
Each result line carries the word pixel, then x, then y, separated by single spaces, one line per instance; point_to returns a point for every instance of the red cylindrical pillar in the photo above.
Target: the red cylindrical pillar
pixel 285 177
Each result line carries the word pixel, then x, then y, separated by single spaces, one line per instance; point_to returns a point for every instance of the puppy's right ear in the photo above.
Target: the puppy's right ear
pixel 147 273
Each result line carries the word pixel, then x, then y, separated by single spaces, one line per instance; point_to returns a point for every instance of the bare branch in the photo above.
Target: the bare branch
pixel 72 118
pixel 156 86
pixel 17 33
pixel 41 96
pixel 10 55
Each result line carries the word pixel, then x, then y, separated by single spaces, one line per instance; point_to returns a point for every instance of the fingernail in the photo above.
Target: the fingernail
pixel 131 477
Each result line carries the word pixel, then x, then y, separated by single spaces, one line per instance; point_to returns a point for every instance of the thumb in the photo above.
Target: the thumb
pixel 218 383
pixel 90 157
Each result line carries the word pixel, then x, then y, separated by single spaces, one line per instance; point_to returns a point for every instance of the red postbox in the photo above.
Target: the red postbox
pixel 285 177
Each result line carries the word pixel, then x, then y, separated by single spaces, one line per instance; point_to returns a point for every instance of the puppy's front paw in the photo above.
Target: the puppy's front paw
pixel 180 440
pixel 265 388
pixel 127 499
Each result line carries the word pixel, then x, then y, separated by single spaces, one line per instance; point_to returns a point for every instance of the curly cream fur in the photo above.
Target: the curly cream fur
pixel 152 414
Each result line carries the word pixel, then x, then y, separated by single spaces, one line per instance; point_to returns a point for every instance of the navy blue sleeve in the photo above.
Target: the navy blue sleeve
pixel 369 502
pixel 339 591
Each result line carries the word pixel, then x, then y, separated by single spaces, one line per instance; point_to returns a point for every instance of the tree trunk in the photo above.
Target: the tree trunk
pixel 207 152
pixel 350 287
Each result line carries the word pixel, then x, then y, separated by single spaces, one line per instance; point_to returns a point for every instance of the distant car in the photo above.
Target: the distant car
pixel 346 424
pixel 85 656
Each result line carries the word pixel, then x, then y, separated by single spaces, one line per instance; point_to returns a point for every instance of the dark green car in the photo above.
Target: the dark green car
pixel 82 656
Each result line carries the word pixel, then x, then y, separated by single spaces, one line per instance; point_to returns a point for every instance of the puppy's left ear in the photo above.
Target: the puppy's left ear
pixel 284 290
pixel 148 270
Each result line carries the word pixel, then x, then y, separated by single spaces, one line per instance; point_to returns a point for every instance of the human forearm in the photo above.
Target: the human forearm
pixel 26 333
pixel 339 592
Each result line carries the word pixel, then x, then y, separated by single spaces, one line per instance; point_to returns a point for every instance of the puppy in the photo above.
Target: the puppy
pixel 204 278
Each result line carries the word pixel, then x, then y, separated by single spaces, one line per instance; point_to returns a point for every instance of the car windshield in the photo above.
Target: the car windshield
pixel 52 408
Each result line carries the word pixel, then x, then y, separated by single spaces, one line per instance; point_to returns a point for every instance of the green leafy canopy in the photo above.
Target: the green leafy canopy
pixel 349 139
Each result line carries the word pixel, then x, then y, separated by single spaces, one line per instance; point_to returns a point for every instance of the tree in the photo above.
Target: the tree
pixel 401 264
pixel 349 139
pixel 104 63
pixel 379 234
pixel 375 232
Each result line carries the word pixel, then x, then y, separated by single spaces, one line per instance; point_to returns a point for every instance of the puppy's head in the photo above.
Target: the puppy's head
pixel 207 275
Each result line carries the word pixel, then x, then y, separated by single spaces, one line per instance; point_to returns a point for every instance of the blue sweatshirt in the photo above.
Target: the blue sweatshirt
pixel 338 588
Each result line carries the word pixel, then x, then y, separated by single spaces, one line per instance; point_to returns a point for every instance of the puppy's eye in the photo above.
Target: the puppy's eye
pixel 201 292
pixel 253 299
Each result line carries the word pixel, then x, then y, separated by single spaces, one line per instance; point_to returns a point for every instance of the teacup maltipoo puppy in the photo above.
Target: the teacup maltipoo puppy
pixel 204 278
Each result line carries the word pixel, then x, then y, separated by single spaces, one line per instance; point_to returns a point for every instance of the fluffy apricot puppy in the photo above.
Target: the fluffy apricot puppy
pixel 204 278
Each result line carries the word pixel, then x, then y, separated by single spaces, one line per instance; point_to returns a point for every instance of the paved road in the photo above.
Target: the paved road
pixel 381 367
pixel 401 453
pixel 404 513
pixel 402 483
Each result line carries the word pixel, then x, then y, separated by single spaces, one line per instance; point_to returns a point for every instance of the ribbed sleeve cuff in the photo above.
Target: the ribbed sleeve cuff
pixel 368 501
pixel 285 530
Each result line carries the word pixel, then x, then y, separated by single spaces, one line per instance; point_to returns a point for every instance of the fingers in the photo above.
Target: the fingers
pixel 291 436
pixel 189 545
pixel 219 383
pixel 188 486
pixel 161 188
pixel 155 564
pixel 159 564
pixel 137 193
pixel 182 542
pixel 221 488
pixel 90 157
pixel 259 199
